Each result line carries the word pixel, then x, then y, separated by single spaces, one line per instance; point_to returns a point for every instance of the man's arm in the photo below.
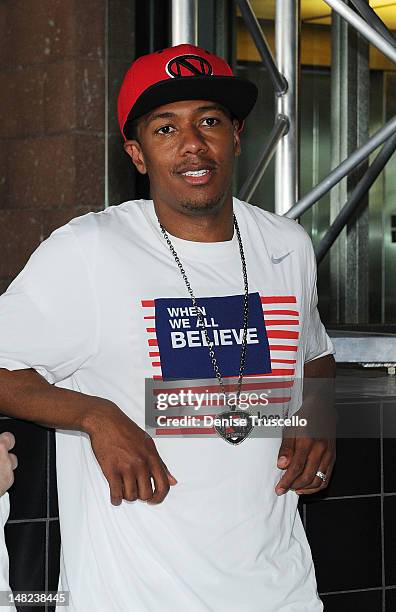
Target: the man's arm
pixel 301 457
pixel 127 455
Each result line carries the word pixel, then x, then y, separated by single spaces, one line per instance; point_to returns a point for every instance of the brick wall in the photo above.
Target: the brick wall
pixel 52 120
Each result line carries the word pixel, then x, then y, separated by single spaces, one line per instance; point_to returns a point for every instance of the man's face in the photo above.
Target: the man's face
pixel 188 150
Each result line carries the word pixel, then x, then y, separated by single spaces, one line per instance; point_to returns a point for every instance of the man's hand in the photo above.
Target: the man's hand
pixel 127 456
pixel 8 461
pixel 302 458
pixel 305 451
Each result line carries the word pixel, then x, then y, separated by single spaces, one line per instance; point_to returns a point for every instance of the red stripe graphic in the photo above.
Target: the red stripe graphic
pixel 275 384
pixel 272 322
pixel 269 323
pixel 267 299
pixel 149 317
pixel 282 333
pixel 153 342
pixel 154 354
pixel 185 430
pixel 282 347
pixel 278 299
pixel 292 313
pixel 274 372
pixel 280 372
pixel 283 361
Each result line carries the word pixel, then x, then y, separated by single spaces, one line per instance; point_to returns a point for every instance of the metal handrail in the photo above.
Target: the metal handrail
pixel 372 18
pixel 278 80
pixel 250 185
pixel 350 207
pixel 342 170
pixel 363 28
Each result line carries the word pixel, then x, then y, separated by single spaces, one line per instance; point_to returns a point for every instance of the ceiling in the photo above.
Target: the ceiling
pixel 317 11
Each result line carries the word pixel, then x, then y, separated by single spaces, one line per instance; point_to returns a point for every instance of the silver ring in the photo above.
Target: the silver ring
pixel 321 475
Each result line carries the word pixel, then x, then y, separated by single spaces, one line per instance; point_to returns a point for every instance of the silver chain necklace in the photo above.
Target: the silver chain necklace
pixel 234 433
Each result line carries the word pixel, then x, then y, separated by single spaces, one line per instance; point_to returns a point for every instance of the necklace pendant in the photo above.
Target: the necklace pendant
pixel 235 426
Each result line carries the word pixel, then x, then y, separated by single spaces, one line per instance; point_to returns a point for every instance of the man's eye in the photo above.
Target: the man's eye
pixel 210 121
pixel 165 129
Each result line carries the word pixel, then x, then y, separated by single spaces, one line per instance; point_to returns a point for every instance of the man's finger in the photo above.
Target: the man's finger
pixel 144 486
pixel 294 470
pixel 317 484
pixel 314 460
pixel 286 452
pixel 129 487
pixel 116 490
pixel 13 460
pixel 171 478
pixel 7 439
pixel 161 482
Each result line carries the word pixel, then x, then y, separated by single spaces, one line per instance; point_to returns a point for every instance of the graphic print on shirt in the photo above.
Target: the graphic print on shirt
pixel 277 345
pixel 182 343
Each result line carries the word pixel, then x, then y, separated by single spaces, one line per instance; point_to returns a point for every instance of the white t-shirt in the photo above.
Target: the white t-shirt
pixel 94 310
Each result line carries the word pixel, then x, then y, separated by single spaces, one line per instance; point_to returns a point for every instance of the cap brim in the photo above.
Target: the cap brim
pixel 234 93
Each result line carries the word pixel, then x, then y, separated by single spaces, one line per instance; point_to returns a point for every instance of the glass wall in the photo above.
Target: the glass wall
pixel 316 142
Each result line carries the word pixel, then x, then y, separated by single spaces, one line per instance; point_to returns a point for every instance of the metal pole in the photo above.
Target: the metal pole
pixel 252 24
pixel 372 19
pixel 357 194
pixel 250 185
pixel 363 28
pixel 343 169
pixel 287 24
pixel 184 22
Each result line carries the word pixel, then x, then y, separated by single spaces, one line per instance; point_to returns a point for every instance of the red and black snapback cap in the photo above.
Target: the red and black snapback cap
pixel 184 72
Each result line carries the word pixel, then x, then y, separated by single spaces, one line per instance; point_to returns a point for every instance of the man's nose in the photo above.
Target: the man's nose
pixel 192 141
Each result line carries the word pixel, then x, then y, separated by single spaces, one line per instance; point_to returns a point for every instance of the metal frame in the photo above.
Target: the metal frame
pixel 363 28
pixel 287 167
pixel 371 16
pixel 342 170
pixel 351 206
pixel 248 188
pixel 184 22
pixel 278 80
pixel 284 75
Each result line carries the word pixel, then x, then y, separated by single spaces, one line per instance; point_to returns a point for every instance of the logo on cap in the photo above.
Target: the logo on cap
pixel 187 66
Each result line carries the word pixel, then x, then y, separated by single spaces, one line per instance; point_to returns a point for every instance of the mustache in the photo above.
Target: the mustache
pixel 194 165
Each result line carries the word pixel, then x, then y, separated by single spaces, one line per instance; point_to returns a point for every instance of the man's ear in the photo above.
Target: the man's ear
pixel 134 150
pixel 237 127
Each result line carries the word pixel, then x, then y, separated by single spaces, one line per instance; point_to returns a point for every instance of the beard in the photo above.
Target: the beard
pixel 201 207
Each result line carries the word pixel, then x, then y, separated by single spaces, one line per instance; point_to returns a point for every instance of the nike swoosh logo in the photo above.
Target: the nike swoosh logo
pixel 277 260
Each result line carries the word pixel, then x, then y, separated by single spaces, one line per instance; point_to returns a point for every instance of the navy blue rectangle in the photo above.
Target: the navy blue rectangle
pixel 183 350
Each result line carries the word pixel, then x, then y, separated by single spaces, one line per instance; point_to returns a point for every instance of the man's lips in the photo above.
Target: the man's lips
pixel 197 175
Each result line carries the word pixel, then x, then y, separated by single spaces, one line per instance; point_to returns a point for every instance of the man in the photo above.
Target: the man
pixel 170 289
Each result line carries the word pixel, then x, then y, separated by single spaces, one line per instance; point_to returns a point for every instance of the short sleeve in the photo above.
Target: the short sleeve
pixel 317 343
pixel 48 314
